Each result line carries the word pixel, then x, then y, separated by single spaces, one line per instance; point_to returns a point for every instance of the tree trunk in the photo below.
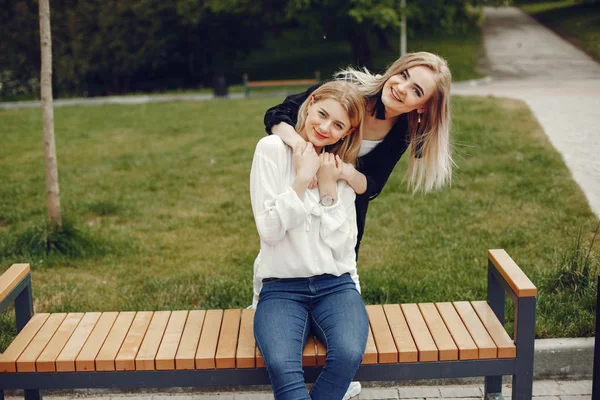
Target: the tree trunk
pixel 48 116
pixel 383 41
pixel 361 52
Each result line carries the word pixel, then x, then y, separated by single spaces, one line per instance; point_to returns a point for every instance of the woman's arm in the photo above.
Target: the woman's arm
pixel 354 178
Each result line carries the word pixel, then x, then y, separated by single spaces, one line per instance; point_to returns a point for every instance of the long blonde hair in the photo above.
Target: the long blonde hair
pixel 430 164
pixel 354 104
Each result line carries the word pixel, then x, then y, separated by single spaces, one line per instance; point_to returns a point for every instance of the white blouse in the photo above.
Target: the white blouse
pixel 298 238
pixel 366 146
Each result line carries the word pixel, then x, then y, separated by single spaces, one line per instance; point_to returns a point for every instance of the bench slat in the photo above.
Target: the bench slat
pixel 125 359
pixel 11 278
pixel 418 328
pixel 510 271
pixel 186 353
pixel 407 350
pixel 487 347
pixel 46 360
pixel 228 339
pixel 370 356
pixel 144 360
pixel 65 362
pixel 441 336
pixel 309 355
pixel 321 352
pixel 207 349
pixel 467 350
pixel 85 360
pixel 291 82
pixel 8 360
pixel 105 360
pixel 244 357
pixel 165 356
pixel 386 348
pixel 26 362
pixel 506 346
pixel 260 361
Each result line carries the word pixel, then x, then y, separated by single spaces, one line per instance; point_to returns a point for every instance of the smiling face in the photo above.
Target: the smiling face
pixel 326 123
pixel 407 91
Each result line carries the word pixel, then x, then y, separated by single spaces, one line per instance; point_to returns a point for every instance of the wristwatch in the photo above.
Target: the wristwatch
pixel 327 200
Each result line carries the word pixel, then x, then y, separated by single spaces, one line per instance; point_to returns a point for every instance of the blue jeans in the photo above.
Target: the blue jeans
pixel 288 311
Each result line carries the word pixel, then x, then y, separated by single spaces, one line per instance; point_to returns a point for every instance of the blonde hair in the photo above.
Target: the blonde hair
pixel 354 104
pixel 430 164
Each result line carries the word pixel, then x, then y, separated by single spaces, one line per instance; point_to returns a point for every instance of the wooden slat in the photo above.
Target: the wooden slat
pixel 447 350
pixel 260 361
pixel 105 360
pixel 186 353
pixel 386 348
pixel 228 338
pixel 407 350
pixel 244 357
pixel 309 355
pixel 467 350
pixel 506 346
pixel 370 356
pixel 85 360
pixel 11 278
pixel 418 328
pixel 321 352
pixel 487 347
pixel 26 362
pixel 46 360
pixel 144 360
pixel 165 357
pixel 125 359
pixel 207 348
pixel 65 362
pixel 291 82
pixel 510 271
pixel 8 360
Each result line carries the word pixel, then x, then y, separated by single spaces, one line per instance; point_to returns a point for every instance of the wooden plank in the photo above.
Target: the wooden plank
pixel 26 362
pixel 65 362
pixel 8 360
pixel 46 362
pixel 260 361
pixel 309 355
pixel 407 350
pixel 11 278
pixel 207 348
pixel 85 360
pixel 386 348
pixel 447 350
pixel 186 353
pixel 510 271
pixel 228 338
pixel 487 347
pixel 321 352
pixel 144 360
pixel 370 356
pixel 125 359
pixel 506 346
pixel 165 357
pixel 244 357
pixel 105 360
pixel 418 329
pixel 467 350
pixel 291 82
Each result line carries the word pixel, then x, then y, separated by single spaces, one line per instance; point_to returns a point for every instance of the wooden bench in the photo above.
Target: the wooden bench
pixel 279 83
pixel 216 347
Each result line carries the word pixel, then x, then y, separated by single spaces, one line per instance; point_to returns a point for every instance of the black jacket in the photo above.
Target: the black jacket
pixel 376 165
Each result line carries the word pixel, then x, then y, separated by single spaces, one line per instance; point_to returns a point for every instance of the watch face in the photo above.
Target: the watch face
pixel 327 201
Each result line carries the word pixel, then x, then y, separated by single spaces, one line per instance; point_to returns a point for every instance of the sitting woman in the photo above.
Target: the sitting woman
pixel 307 263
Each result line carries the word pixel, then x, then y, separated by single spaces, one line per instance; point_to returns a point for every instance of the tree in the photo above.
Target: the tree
pixel 48 116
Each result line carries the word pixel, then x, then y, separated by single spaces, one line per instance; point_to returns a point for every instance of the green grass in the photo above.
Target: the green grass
pixel 577 22
pixel 164 189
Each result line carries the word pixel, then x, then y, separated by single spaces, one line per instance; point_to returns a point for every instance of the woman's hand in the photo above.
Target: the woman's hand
pixel 306 161
pixel 331 168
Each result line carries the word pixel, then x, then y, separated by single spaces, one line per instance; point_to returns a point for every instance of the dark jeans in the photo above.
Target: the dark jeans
pixel 289 310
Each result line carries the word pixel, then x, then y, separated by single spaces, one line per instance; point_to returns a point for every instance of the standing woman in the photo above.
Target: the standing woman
pixel 407 107
pixel 307 265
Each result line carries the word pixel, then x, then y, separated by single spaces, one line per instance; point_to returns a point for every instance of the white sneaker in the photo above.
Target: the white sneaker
pixel 353 390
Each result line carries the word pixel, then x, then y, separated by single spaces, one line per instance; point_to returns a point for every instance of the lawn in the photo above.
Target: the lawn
pixel 162 189
pixel 577 22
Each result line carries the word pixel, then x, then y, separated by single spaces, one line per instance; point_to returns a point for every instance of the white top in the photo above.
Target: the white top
pixel 367 145
pixel 298 238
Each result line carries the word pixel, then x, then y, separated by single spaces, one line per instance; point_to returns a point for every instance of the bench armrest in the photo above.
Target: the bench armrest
pixel 512 274
pixel 11 278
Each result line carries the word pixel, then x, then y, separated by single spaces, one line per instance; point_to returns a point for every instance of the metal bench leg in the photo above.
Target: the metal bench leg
pixel 522 383
pixel 495 298
pixel 33 394
pixel 24 307
pixel 1 394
